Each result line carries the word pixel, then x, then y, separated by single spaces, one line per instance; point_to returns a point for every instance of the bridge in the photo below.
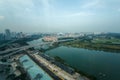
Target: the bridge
pixel 13 51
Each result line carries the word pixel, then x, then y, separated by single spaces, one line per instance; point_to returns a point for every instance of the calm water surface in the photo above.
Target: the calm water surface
pixel 103 65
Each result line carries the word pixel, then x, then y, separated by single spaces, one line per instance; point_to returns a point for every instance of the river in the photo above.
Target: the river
pixel 102 65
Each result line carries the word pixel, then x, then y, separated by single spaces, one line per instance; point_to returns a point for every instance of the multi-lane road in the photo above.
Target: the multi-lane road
pixel 12 51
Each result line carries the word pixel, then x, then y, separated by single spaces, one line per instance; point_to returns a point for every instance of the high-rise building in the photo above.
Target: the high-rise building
pixel 8 34
pixel 2 36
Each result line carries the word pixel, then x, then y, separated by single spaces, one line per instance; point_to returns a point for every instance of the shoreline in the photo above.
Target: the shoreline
pixel 92 46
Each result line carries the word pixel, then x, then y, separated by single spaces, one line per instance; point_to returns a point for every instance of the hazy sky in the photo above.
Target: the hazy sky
pixel 60 15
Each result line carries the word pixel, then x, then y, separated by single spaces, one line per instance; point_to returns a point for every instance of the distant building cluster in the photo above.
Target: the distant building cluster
pixel 56 37
pixel 50 39
pixel 8 35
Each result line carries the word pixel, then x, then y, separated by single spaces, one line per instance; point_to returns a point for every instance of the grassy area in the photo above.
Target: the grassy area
pixel 112 41
pixel 101 44
pixel 57 58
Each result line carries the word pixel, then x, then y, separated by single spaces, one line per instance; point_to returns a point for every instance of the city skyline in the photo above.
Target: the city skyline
pixel 60 15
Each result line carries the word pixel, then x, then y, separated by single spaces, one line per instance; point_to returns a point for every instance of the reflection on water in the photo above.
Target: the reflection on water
pixel 103 65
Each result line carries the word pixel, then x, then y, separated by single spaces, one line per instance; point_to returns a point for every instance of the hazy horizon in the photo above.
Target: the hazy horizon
pixel 60 15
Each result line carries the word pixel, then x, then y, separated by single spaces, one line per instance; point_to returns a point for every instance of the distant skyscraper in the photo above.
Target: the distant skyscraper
pixel 8 34
pixel 2 36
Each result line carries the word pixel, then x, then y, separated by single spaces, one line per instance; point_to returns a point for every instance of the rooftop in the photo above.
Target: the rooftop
pixel 34 71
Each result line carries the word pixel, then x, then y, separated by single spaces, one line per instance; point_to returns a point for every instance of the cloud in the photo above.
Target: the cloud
pixel 93 4
pixel 47 7
pixel 119 9
pixel 80 14
pixel 2 17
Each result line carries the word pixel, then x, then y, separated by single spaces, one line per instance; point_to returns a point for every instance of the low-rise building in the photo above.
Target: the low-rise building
pixel 50 39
